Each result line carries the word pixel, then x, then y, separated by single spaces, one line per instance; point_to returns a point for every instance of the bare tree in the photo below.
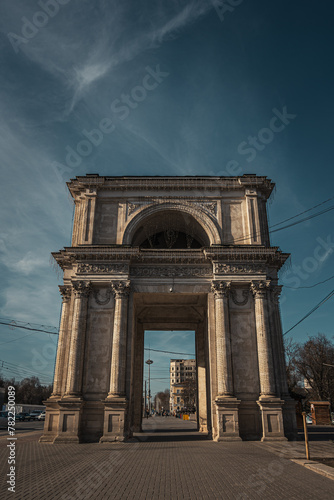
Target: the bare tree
pixel 310 361
pixel 163 396
pixel 189 393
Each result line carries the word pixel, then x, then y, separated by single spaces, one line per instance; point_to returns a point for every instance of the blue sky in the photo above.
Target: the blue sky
pixel 68 67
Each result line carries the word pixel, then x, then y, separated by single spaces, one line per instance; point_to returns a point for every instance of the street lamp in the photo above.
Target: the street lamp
pixel 149 362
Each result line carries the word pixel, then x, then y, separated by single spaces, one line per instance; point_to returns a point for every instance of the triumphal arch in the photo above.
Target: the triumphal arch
pixel 170 253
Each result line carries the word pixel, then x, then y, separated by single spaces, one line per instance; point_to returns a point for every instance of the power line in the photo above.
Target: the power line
pixel 331 294
pixel 259 233
pixel 169 352
pixel 27 327
pixel 304 212
pixel 311 286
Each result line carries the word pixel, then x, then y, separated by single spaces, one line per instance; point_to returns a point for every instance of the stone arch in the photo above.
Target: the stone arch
pixel 206 229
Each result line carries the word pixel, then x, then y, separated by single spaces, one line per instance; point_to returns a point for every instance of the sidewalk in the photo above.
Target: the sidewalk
pixel 171 461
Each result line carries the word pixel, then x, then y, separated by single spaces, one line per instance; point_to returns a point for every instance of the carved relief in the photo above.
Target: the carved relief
pixel 120 288
pixel 102 299
pixel 238 268
pixel 220 289
pixel 243 301
pixel 82 288
pixel 133 207
pixel 66 292
pixel 169 271
pixel 275 292
pixel 102 268
pixel 259 288
pixel 210 207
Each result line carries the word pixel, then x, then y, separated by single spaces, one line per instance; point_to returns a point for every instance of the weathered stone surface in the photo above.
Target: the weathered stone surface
pixel 121 277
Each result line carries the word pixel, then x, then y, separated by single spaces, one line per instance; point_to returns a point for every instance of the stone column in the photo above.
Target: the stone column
pixel 226 403
pixel 221 290
pixel 116 406
pixel 266 369
pixel 289 408
pixel 270 405
pixel 77 345
pixel 66 292
pixel 118 361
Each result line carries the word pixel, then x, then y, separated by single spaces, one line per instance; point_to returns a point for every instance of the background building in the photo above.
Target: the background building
pixel 181 370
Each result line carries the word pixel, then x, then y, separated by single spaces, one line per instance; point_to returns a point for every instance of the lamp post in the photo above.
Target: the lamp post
pixel 149 362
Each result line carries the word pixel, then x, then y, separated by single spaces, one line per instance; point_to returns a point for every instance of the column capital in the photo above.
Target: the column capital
pixel 120 288
pixel 275 292
pixel 220 289
pixel 259 288
pixel 66 292
pixel 82 288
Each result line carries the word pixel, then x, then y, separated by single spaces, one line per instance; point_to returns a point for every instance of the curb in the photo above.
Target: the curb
pixel 325 470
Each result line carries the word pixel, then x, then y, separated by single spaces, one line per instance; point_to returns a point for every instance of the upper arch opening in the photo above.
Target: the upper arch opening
pixel 173 229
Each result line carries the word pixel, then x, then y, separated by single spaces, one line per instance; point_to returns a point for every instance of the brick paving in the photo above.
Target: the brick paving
pixel 171 461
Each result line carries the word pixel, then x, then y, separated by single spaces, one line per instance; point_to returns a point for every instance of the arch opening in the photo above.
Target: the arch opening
pixel 170 229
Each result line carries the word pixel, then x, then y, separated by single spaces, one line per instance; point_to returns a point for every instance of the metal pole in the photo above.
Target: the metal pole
pixel 149 362
pixel 306 436
pixel 149 389
pixel 145 398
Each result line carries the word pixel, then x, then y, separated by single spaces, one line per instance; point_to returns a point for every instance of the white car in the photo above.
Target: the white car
pixel 41 416
pixel 35 414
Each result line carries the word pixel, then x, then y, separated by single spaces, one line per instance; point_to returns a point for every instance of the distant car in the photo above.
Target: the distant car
pixel 35 414
pixel 4 419
pixel 41 416
pixel 309 419
pixel 22 416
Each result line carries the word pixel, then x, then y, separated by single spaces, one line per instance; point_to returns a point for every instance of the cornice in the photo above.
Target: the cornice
pixel 271 257
pixel 90 183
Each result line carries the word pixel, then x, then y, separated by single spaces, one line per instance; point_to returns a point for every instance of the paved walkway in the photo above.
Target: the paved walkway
pixel 171 461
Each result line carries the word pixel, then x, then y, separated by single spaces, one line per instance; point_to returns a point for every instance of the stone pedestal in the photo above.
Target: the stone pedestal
pixel 114 420
pixel 227 416
pixel 62 422
pixel 272 419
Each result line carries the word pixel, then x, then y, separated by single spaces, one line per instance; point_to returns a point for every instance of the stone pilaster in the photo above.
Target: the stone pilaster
pixel 270 405
pixel 221 290
pixel 266 369
pixel 74 376
pixel 116 403
pixel 226 403
pixel 289 408
pixel 66 292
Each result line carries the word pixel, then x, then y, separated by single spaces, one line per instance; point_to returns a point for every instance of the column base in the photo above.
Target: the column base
pixel 227 416
pixel 115 409
pixel 272 418
pixel 62 421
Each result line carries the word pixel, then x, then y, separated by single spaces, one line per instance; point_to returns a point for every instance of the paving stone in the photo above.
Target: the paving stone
pixel 171 462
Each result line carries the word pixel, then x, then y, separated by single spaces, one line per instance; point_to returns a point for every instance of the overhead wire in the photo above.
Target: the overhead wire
pixel 331 294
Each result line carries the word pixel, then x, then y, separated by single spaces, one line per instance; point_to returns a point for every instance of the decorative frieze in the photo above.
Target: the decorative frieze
pixel 114 268
pixel 169 271
pixel 219 268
